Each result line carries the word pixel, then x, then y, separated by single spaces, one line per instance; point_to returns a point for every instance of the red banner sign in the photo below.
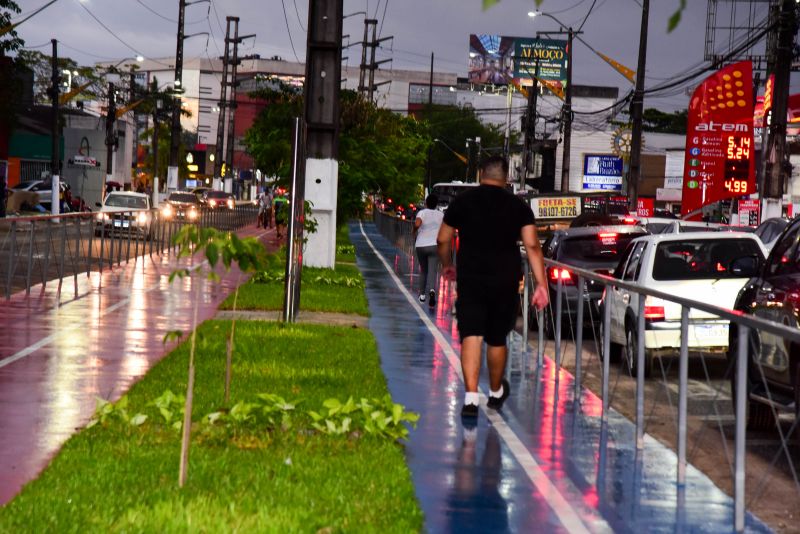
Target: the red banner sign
pixel 720 154
pixel 646 207
pixel 748 212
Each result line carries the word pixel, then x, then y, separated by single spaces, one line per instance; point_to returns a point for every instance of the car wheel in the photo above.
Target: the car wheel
pixel 631 354
pixel 759 416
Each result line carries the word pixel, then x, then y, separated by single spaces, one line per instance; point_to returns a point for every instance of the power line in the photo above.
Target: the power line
pixel 591 7
pixel 216 15
pixel 154 12
pixel 297 12
pixel 34 13
pixel 289 31
pixel 385 7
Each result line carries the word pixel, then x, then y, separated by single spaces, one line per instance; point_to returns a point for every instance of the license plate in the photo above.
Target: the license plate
pixel 121 224
pixel 708 331
pixel 180 214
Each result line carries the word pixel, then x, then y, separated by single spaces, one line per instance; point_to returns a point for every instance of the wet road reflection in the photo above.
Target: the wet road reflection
pixel 58 352
pixel 471 479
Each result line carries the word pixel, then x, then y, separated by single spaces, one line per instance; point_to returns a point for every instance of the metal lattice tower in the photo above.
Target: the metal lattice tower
pixel 730 23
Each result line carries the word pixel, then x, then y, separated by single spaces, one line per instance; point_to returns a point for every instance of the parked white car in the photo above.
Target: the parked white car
pixel 699 266
pixel 123 212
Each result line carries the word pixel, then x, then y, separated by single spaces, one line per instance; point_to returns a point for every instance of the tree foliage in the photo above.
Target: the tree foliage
pixel 379 151
pixel 654 120
pixel 11 86
pixel 452 125
pixel 10 42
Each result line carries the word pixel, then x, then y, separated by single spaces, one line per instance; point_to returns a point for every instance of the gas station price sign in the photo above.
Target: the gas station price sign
pixel 720 155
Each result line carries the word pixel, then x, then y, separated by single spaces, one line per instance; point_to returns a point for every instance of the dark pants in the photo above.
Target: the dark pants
pixel 429 264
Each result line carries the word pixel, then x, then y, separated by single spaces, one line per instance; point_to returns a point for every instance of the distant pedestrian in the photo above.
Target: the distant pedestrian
pixel 281 207
pixel 270 199
pixel 426 228
pixel 490 221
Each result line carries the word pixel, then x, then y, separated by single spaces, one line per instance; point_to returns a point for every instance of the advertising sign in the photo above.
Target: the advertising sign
pixel 602 172
pixel 495 59
pixel 673 182
pixel 748 212
pixel 645 207
pixel 720 154
pixel 556 207
pixel 664 194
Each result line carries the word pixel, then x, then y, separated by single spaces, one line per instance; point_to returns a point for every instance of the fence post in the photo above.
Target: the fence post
pixel 31 237
pixel 640 351
pixel 683 382
pixel 741 428
pixel 13 253
pixel 579 340
pixel 559 305
pixel 606 351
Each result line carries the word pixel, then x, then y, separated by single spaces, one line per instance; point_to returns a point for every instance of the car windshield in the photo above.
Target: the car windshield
pixel 700 259
pixel 217 194
pixel 126 201
pixel 657 228
pixel 603 246
pixel 183 197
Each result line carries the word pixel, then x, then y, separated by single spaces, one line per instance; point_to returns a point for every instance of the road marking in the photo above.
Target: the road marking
pixel 566 514
pixel 114 307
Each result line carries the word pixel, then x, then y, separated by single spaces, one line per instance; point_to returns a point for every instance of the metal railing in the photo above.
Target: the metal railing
pixel 592 368
pixel 45 249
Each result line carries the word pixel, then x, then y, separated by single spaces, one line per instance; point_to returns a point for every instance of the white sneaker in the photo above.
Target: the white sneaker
pixel 422 297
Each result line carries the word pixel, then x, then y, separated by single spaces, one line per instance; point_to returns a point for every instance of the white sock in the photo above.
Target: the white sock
pixel 497 394
pixel 471 397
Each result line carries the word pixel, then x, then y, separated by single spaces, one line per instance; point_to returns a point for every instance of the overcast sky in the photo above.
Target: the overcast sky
pixel 419 27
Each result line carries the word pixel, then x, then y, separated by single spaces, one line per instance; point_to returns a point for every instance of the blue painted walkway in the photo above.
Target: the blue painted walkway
pixel 545 464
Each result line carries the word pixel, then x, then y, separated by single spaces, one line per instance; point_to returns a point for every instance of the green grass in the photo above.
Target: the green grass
pixel 344 250
pixel 121 479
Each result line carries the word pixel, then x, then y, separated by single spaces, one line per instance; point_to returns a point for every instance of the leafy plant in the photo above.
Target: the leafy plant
pixel 171 408
pixel 106 411
pixel 345 249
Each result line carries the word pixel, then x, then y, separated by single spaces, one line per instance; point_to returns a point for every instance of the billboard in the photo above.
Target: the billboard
pixel 720 153
pixel 494 59
pixel 602 172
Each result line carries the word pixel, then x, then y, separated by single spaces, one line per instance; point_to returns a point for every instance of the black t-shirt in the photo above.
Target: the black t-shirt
pixel 489 220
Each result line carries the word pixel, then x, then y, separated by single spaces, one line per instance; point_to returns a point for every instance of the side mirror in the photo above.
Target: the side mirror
pixel 745 267
pixel 98 204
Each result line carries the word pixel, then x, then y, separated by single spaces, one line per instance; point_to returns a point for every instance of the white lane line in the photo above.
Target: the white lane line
pixel 566 514
pixel 111 309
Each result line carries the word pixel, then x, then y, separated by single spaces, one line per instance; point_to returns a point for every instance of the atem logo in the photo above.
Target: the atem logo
pixel 721 127
pixel 542 53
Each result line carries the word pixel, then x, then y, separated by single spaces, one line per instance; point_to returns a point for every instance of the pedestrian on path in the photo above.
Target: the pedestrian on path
pixel 281 208
pixel 490 221
pixel 426 228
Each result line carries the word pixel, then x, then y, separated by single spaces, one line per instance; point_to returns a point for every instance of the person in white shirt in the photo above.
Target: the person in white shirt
pixel 426 228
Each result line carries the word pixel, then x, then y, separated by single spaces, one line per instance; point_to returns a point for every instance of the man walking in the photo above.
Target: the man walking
pixel 490 221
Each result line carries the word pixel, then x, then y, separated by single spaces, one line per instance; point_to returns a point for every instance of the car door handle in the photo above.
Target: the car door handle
pixel 626 298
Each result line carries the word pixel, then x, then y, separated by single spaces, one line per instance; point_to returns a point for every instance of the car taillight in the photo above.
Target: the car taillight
pixel 564 275
pixel 629 220
pixel 654 313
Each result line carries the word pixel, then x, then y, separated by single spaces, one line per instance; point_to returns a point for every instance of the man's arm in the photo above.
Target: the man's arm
pixel 444 247
pixel 417 224
pixel 530 239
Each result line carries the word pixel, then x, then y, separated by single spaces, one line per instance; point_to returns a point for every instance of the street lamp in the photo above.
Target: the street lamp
pixel 567 110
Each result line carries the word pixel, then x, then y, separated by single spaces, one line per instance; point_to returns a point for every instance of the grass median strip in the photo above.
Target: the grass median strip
pixel 115 477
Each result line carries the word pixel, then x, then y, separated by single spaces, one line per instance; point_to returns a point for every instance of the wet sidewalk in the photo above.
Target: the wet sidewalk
pixel 92 337
pixel 546 463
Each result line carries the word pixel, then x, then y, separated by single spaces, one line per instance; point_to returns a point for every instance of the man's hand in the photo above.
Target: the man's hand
pixel 449 273
pixel 540 297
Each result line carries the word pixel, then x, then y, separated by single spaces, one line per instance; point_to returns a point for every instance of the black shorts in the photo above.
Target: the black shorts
pixel 487 309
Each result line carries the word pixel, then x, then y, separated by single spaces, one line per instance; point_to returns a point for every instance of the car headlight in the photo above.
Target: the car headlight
pixel 142 218
pixel 166 211
pixel 192 214
pixel 230 203
pixel 102 217
pixel 212 203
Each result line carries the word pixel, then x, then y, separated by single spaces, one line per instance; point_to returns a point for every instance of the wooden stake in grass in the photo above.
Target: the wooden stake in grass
pixel 229 356
pixel 248 254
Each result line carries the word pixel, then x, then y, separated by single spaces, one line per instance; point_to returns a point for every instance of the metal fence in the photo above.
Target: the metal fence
pixel 700 408
pixel 51 249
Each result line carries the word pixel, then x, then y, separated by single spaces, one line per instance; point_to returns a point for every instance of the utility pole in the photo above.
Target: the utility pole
pixel 362 73
pixel 774 152
pixel 567 112
pixel 223 104
pixel 175 132
pixel 530 126
pixel 321 116
pixel 55 133
pixel 156 109
pixel 232 101
pixel 430 115
pixel 111 134
pixel 637 109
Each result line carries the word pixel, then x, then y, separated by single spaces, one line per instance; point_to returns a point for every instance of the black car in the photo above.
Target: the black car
pixel 595 248
pixel 774 362
pixel 181 206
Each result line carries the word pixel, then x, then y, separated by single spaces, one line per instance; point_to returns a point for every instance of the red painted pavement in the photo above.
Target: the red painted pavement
pixel 60 351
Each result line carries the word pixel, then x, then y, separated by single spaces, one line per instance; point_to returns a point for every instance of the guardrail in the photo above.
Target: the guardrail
pixel 739 365
pixel 43 249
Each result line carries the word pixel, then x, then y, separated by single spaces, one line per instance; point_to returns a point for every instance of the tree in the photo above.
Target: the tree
pixel 379 151
pixel 453 125
pixel 10 42
pixel 655 120
pixel 41 65
pixel 10 69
